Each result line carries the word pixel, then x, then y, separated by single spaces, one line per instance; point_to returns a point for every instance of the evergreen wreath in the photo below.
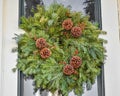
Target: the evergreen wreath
pixel 60 49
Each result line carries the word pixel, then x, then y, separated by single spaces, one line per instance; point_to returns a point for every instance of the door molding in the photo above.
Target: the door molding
pixel 1 17
pixel 100 78
pixel 112 63
pixel 8 26
pixel 118 5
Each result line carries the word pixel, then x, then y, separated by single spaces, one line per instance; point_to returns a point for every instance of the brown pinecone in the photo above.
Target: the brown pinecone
pixel 75 61
pixel 68 70
pixel 41 43
pixel 45 53
pixel 67 24
pixel 76 31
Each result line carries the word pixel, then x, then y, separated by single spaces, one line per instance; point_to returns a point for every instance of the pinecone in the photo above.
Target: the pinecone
pixel 45 53
pixel 75 61
pixel 68 70
pixel 76 31
pixel 41 43
pixel 67 24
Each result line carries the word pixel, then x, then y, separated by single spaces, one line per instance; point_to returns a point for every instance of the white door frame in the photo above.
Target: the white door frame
pixel 9 26
pixel 1 11
pixel 112 64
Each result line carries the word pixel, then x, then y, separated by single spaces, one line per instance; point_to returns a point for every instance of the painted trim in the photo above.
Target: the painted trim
pixel 9 27
pixel 100 82
pixel 100 78
pixel 98 13
pixel 118 5
pixel 20 84
pixel 21 9
pixel 112 63
pixel 1 31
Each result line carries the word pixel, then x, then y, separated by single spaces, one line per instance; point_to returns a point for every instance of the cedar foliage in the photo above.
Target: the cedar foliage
pixel 48 73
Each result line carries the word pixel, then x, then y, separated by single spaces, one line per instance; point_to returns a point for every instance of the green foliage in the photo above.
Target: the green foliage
pixel 48 73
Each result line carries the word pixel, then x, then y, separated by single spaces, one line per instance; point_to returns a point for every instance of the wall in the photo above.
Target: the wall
pixel 119 16
pixel 8 59
pixel 1 3
pixel 112 64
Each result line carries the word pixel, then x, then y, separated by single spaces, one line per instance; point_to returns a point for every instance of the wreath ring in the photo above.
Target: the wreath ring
pixel 60 49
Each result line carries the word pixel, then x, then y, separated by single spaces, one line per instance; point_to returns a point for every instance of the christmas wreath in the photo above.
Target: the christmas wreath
pixel 60 49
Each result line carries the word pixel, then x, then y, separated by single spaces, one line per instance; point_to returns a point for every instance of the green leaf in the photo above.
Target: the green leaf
pixel 14 69
pixel 50 22
pixel 92 53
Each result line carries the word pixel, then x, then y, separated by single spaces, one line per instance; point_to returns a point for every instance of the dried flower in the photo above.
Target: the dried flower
pixel 75 61
pixel 75 72
pixel 45 53
pixel 68 13
pixel 35 38
pixel 41 43
pixel 76 31
pixel 62 62
pixel 76 52
pixel 68 70
pixel 82 25
pixel 65 33
pixel 67 24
